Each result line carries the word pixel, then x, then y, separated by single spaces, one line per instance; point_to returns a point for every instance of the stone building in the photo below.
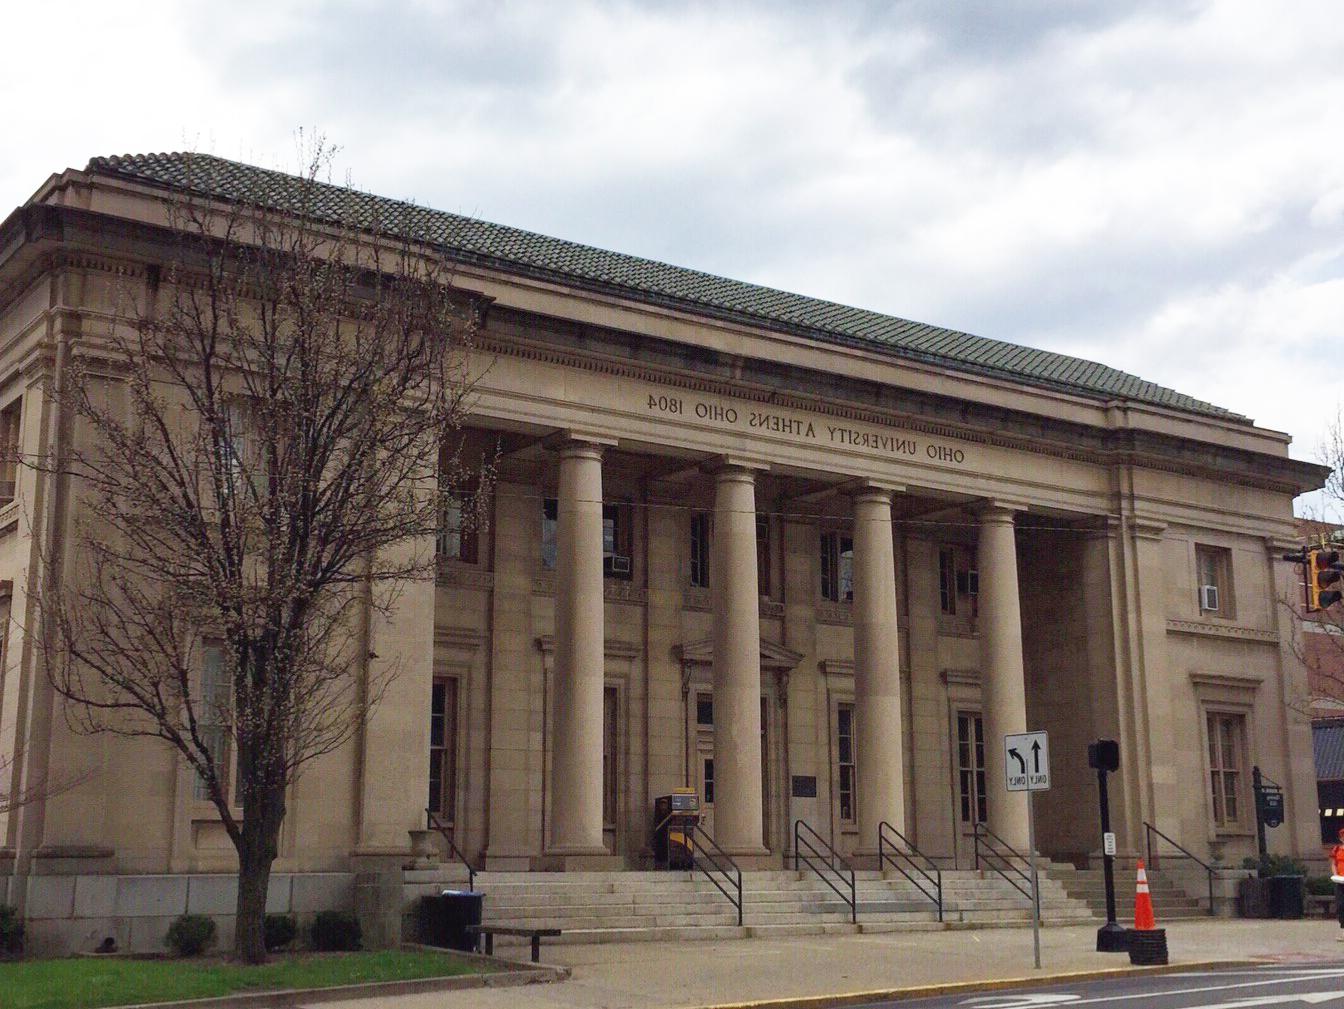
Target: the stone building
pixel 810 560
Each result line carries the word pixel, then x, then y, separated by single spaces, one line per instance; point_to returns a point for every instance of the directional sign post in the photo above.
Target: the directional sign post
pixel 1026 767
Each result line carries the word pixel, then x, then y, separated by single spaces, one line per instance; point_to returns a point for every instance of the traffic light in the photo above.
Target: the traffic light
pixel 1323 571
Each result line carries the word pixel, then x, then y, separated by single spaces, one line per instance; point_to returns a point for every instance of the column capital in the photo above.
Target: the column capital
pixel 720 464
pixel 997 510
pixel 875 490
pixel 574 441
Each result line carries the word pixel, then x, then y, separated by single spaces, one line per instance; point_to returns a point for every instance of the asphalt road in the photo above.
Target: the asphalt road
pixel 1286 985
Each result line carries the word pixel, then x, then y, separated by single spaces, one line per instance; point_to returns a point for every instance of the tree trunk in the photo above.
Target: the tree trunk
pixel 256 852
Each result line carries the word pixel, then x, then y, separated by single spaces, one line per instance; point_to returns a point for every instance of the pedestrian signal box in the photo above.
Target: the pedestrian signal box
pixel 675 818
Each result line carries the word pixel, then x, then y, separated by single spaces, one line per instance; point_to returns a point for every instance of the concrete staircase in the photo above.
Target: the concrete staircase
pixel 650 906
pixel 1088 886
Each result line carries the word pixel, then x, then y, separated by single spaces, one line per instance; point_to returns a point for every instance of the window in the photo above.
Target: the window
pixel 457 536
pixel 704 709
pixel 971 767
pixel 6 601
pixel 1212 565
pixel 709 781
pixel 700 550
pixel 609 765
pixel 763 555
pixel 443 750
pixel 1226 735
pixel 616 540
pixel 9 451
pixel 844 756
pixel 837 567
pixel 214 717
pixel 550 520
pixel 958 582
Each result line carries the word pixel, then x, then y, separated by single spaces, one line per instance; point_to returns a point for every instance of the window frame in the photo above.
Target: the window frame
pixel 459 545
pixel 1220 561
pixel 446 750
pixel 611 755
pixel 223 731
pixel 11 428
pixel 973 745
pixel 846 784
pixel 764 540
pixel 620 514
pixel 1216 786
pixel 835 557
pixel 550 538
pixel 699 550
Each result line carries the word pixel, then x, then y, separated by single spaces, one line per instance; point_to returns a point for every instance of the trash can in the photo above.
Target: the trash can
pixel 444 919
pixel 1285 896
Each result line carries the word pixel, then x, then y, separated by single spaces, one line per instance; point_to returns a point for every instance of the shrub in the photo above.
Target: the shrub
pixel 280 930
pixel 1275 865
pixel 335 931
pixel 190 935
pixel 1320 886
pixel 11 931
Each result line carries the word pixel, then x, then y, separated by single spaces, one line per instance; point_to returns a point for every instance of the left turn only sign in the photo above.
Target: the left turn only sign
pixel 1026 761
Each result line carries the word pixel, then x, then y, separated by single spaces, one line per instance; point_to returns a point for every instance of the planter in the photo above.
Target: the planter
pixel 1253 897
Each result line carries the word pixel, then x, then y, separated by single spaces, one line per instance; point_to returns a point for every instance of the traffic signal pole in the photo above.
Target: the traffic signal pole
pixel 1111 937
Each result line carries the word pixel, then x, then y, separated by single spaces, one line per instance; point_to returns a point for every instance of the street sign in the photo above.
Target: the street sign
pixel 1108 843
pixel 1026 761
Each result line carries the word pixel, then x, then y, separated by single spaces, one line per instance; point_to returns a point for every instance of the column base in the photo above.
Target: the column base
pixel 864 858
pixel 508 863
pixel 754 857
pixel 578 860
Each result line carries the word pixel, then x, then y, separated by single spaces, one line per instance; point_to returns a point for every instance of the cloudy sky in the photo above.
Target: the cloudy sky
pixel 1159 186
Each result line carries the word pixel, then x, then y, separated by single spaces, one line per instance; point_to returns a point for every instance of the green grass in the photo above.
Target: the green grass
pixel 86 983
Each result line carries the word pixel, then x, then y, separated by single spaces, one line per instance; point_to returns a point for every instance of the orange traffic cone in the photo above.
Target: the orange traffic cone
pixel 1147 942
pixel 1144 920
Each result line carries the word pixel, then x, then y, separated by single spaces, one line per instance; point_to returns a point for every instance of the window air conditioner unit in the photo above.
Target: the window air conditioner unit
pixel 1208 597
pixel 968 583
pixel 618 564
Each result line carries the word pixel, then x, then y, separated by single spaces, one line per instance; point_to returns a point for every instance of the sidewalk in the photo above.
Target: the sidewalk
pixel 668 975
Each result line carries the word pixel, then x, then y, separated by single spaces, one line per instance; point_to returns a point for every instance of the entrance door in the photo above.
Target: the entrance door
pixel 704 762
pixel 969 751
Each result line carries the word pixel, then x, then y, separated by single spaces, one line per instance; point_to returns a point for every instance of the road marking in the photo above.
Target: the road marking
pixel 1020 1001
pixel 1311 998
pixel 1292 978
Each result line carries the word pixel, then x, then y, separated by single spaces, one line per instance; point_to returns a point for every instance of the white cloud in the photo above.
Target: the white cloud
pixel 1159 186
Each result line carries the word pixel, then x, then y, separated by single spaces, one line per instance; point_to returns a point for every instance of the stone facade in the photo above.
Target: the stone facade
pixel 721 554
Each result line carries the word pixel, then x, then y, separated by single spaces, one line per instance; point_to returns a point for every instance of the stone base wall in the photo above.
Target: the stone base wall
pixel 73 914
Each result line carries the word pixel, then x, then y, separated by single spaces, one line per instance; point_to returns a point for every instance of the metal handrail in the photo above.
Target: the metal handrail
pixel 1006 860
pixel 828 860
pixel 1149 830
pixel 436 824
pixel 704 845
pixel 883 856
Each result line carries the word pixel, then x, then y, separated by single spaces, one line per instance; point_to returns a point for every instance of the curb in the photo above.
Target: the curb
pixel 523 974
pixel 958 987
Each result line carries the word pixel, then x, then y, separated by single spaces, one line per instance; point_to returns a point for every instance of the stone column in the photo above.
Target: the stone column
pixel 738 807
pixel 580 647
pixel 877 670
pixel 1004 680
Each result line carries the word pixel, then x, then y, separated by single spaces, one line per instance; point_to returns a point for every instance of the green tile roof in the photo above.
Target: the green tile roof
pixel 512 249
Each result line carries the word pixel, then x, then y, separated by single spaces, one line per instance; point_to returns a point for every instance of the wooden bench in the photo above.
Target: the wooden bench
pixel 490 931
pixel 1324 903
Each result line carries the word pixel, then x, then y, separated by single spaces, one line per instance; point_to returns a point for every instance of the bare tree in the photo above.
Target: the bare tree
pixel 258 468
pixel 1318 637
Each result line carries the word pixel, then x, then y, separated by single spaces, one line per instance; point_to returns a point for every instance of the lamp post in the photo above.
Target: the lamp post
pixel 1104 756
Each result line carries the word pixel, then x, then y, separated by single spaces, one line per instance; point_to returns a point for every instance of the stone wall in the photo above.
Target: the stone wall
pixel 73 914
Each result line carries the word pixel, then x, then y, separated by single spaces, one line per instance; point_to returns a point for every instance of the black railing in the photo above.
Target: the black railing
pixel 1154 856
pixel 823 861
pixel 717 865
pixel 437 824
pixel 927 878
pixel 1002 860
